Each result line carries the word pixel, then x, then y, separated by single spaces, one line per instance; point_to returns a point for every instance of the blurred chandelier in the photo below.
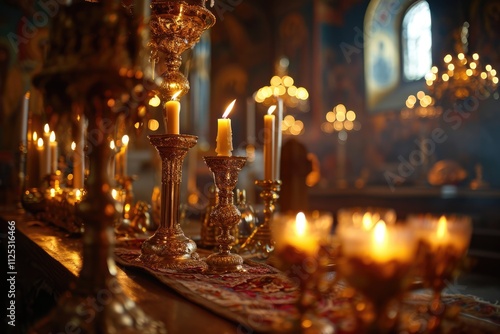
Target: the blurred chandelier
pixel 462 76
pixel 420 106
pixel 282 85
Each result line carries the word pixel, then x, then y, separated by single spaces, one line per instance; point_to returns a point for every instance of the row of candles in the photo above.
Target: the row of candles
pixel 376 255
pixel 224 140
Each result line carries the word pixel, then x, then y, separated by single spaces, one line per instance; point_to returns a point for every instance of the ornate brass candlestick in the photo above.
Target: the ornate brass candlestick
pixel 225 215
pixel 175 27
pixel 260 243
pixel 99 75
pixel 168 247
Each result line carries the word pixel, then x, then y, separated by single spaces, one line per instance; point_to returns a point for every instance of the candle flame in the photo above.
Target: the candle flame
pixel 300 224
pixel 40 142
pixel 125 140
pixel 46 128
pixel 112 145
pixel 441 228
pixel 27 95
pixel 73 146
pixel 114 194
pixel 379 232
pixel 52 192
pixel 52 137
pixel 271 109
pixel 176 95
pixel 35 136
pixel 367 221
pixel 228 109
pixel 78 194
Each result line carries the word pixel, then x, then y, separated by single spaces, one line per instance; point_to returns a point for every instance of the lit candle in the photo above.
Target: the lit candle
pixel 78 195
pixel 112 167
pixel 125 140
pixel 24 118
pixel 278 139
pixel 171 115
pixel 53 152
pixel 299 237
pixel 381 243
pixel 41 156
pixel 45 166
pixel 32 163
pixel 78 157
pixel 224 133
pixel 269 124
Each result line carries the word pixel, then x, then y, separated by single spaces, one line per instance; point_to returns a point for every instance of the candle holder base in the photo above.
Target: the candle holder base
pixel 260 244
pixel 118 314
pixel 220 263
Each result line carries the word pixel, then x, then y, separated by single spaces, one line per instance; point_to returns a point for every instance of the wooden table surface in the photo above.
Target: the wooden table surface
pixel 45 249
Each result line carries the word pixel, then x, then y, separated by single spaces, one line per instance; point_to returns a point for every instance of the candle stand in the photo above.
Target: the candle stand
pixel 225 215
pixel 260 243
pixel 168 247
pixel 95 75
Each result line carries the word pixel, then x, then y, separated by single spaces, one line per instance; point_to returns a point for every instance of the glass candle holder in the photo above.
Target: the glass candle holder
pixel 443 243
pixel 298 242
pixel 377 263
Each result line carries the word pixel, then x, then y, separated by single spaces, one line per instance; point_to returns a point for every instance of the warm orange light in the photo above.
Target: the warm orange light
pixel 228 109
pixel 441 228
pixel 271 109
pixel 300 224
pixel 379 233
pixel 35 136
pixel 125 140
pixel 46 128
pixel 73 146
pixel 174 97
pixel 52 137
pixel 40 142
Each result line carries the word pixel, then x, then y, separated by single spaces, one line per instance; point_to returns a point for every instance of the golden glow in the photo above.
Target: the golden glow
pixel 73 146
pixel 78 194
pixel 448 58
pixel 40 142
pixel 300 224
pixel 153 124
pixel 137 125
pixel 174 97
pixel 379 233
pixel 125 140
pixel 271 109
pixel 228 109
pixel 441 228
pixel 112 145
pixel 367 221
pixel 114 194
pixel 154 101
pixel 35 136
pixel 475 56
pixel 52 137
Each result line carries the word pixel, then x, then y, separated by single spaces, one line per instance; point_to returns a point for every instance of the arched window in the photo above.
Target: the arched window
pixel 417 41
pixel 397 53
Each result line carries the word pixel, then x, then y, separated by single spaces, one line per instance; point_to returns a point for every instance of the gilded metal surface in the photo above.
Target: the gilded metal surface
pixel 168 247
pixel 92 69
pixel 260 243
pixel 225 215
pixel 175 27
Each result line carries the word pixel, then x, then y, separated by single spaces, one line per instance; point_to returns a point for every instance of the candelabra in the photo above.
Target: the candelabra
pixel 175 27
pixel 260 243
pixel 168 247
pixel 225 215
pixel 94 65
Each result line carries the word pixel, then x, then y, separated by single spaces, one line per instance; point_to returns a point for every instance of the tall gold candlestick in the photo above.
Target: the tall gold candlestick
pixel 168 247
pixel 225 215
pixel 260 243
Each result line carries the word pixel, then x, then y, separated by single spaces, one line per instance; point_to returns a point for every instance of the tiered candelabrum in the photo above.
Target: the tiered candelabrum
pixel 100 75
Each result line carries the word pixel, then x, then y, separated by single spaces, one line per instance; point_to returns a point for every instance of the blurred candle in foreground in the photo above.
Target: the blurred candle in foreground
pixel 224 133
pixel 45 165
pixel 41 156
